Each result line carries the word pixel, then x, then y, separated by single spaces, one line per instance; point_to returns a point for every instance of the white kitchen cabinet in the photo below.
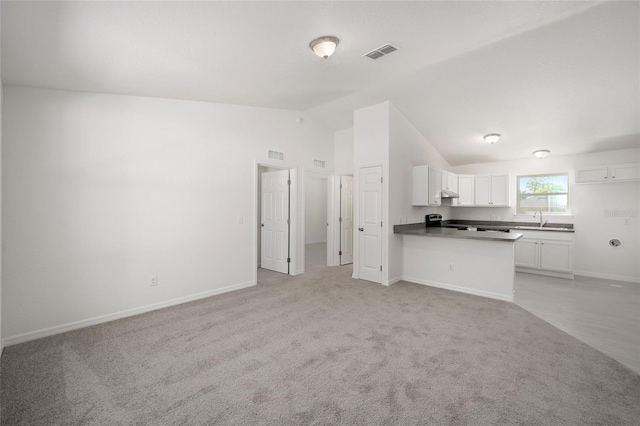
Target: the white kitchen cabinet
pixel 466 190
pixel 492 190
pixel 545 253
pixel 617 173
pixel 450 183
pixel 435 187
pixel 427 186
pixel 624 172
pixel 527 252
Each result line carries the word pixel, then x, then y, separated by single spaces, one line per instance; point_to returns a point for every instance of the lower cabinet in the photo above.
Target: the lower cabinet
pixel 546 253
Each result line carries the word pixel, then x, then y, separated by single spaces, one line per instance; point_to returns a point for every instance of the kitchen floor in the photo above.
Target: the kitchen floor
pixel 604 314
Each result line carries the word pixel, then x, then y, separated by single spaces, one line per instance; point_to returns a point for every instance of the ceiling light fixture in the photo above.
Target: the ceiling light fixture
pixel 541 153
pixel 492 137
pixel 324 46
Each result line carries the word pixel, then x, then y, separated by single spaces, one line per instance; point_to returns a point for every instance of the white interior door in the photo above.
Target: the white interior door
pixel 346 220
pixel 275 221
pixel 370 224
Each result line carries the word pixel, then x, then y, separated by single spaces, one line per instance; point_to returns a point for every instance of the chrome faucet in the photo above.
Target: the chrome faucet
pixel 541 224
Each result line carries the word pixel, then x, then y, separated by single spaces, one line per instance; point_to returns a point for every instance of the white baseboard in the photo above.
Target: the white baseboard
pixel 50 331
pixel 459 289
pixel 608 276
pixel 565 275
pixel 393 281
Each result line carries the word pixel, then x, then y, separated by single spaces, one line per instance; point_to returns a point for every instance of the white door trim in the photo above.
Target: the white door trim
pixel 330 240
pixel 294 231
pixel 383 211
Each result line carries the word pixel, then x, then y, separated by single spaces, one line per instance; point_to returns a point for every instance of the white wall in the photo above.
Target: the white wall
pixel 1 174
pixel 101 192
pixel 382 135
pixel 315 209
pixel 371 147
pixel 589 205
pixel 407 148
pixel 343 142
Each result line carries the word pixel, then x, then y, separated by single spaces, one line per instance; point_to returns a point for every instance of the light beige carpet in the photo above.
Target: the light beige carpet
pixel 319 349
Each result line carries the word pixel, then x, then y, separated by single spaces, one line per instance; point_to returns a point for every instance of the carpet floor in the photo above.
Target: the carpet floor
pixel 322 349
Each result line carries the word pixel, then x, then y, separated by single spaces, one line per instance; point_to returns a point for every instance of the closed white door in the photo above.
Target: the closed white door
pixel 370 224
pixel 346 220
pixel 275 221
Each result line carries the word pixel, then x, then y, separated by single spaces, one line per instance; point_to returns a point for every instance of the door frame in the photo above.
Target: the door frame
pixel 385 220
pixel 293 214
pixel 330 208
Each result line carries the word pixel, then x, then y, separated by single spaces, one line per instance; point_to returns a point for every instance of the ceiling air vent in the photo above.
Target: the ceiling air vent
pixel 319 163
pixel 275 155
pixel 381 51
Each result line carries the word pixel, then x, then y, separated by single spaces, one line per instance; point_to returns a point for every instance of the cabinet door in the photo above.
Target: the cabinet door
pixel 444 180
pixel 483 190
pixel 420 189
pixel 499 190
pixel 556 256
pixel 435 186
pixel 527 253
pixel 466 190
pixel 453 186
pixel 453 181
pixel 624 172
pixel 592 174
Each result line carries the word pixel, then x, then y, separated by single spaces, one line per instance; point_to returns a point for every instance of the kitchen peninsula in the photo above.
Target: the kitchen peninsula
pixel 480 263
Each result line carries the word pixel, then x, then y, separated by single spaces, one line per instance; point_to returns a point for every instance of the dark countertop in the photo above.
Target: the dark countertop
pixel 420 229
pixel 520 226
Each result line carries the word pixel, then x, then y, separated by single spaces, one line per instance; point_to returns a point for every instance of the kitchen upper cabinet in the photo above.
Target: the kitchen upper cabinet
pixel 620 172
pixel 545 253
pixel 624 172
pixel 492 190
pixel 450 183
pixel 466 190
pixel 427 186
pixel 435 187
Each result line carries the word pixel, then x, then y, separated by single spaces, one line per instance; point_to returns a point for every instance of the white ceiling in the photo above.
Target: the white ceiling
pixel 557 75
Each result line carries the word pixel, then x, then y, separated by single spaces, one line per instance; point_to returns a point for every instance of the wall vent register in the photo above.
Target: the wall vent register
pixel 381 51
pixel 275 155
pixel 319 163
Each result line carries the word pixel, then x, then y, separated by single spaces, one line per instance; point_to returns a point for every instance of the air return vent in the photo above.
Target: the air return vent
pixel 275 155
pixel 319 163
pixel 381 51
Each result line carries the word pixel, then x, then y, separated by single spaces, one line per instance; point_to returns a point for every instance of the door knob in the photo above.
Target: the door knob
pixel 262 225
pixel 360 229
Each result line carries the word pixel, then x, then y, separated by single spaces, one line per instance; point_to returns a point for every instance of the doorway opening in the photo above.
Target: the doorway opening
pixel 316 195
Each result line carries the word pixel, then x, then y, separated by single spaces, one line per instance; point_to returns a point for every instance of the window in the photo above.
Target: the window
pixel 547 193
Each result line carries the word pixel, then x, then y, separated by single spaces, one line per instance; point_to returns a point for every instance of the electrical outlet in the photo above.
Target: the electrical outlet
pixel 451 266
pixel 401 220
pixel 493 217
pixel 154 281
pixel 627 221
pixel 240 220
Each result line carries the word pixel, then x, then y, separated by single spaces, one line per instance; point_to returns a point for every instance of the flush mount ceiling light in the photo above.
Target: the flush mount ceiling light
pixel 492 137
pixel 541 153
pixel 324 46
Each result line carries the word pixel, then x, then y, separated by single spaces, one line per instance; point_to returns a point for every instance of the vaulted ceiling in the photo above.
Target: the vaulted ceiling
pixel 564 76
